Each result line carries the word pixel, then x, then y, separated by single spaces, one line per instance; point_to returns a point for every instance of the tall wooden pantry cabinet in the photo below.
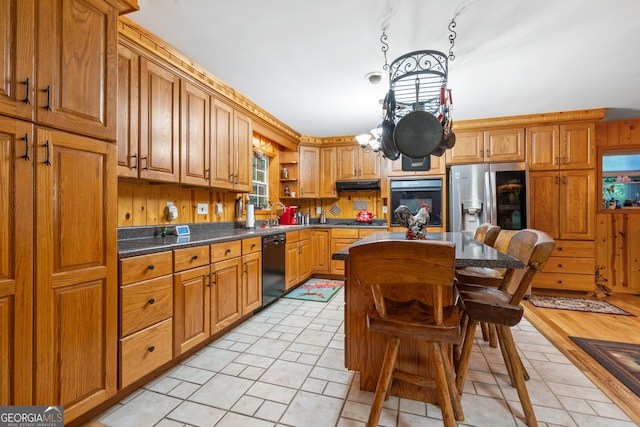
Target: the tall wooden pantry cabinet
pixel 58 307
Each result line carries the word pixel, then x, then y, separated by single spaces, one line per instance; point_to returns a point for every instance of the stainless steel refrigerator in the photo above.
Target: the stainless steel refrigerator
pixel 488 192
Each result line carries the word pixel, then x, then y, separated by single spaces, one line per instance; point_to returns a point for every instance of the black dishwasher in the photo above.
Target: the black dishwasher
pixel 273 258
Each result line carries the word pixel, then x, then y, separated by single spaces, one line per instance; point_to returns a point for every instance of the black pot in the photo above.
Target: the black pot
pixel 387 145
pixel 417 134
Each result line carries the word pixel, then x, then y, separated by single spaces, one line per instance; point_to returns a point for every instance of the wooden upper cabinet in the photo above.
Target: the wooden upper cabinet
pixel 561 147
pixel 128 104
pixel 243 148
pixel 543 147
pixel 16 261
pixel 159 125
pixel 17 50
pixel 194 138
pixel 328 172
pixel 577 147
pixel 76 66
pixel 469 148
pixel 500 145
pixel 221 145
pixel 309 185
pixel 356 163
pixel 76 272
pixel 231 147
pixel 504 145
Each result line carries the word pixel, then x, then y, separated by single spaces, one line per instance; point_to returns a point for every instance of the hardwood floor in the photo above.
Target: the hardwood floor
pixel 558 325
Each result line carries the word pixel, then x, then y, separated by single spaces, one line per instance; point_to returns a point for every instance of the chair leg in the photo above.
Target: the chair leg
pixel 493 336
pixel 517 376
pixel 465 356
pixel 444 394
pixel 518 360
pixel 454 395
pixel 384 380
pixel 484 327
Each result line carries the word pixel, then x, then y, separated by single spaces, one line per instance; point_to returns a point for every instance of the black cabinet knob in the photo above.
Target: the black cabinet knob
pixel 151 349
pixel 151 266
pixel 152 300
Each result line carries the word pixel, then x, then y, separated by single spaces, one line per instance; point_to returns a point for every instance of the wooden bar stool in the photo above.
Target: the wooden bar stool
pixel 412 286
pixel 501 307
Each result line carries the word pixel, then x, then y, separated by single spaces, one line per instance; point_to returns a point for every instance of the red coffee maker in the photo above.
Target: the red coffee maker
pixel 288 216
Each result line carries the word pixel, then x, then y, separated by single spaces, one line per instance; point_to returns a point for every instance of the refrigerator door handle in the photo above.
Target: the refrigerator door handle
pixel 490 196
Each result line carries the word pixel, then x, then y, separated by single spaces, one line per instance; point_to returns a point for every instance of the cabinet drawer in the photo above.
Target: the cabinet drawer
pixel 344 233
pixel 574 248
pixel 227 250
pixel 184 259
pixel 145 267
pixel 251 245
pixel 144 303
pixel 145 351
pixel 304 234
pixel 365 233
pixel 570 265
pixel 292 236
pixel 567 282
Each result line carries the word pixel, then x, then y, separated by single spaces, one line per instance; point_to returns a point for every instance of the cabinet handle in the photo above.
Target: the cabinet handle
pixel 135 161
pixel 253 245
pixel 207 175
pixel 213 279
pixel 26 147
pixel 152 301
pixel 208 280
pixel 26 98
pixel 146 162
pixel 246 269
pixel 151 349
pixel 151 267
pixel 559 265
pixel 47 90
pixel 556 180
pixel 564 180
pixel 47 161
pixel 227 252
pixel 195 257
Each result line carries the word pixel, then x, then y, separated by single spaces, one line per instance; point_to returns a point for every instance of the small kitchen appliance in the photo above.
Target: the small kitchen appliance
pixel 288 216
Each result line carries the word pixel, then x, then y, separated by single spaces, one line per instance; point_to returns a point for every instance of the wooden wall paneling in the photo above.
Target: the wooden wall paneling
pixel 125 204
pixel 182 199
pixel 140 203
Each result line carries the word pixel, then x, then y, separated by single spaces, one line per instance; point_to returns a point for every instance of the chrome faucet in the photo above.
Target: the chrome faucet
pixel 271 221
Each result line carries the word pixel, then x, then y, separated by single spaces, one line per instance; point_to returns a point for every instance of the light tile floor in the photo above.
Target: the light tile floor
pixel 284 367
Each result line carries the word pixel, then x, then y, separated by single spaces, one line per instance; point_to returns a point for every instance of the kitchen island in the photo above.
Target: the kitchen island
pixel 364 351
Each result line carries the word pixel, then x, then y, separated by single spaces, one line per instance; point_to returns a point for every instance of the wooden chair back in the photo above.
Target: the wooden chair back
pixel 533 248
pixel 405 270
pixel 503 239
pixel 487 233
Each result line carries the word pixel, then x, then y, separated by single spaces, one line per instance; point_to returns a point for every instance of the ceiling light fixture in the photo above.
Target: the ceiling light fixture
pixel 374 77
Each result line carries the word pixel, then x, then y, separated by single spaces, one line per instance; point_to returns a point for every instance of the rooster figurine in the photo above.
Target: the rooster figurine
pixel 416 224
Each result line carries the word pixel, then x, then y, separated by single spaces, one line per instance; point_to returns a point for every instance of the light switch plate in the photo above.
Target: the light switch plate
pixel 218 208
pixel 203 208
pixel 384 210
pixel 318 210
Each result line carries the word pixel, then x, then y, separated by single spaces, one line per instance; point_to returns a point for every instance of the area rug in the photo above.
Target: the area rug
pixel 321 290
pixel 577 304
pixel 620 359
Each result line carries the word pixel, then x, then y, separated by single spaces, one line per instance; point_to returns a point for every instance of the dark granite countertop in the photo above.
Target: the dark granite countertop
pixel 469 252
pixel 134 241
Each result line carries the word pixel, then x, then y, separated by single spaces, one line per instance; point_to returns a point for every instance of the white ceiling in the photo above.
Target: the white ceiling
pixel 304 61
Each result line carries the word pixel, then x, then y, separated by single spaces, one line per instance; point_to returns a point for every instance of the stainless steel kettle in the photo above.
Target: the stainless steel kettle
pixel 323 217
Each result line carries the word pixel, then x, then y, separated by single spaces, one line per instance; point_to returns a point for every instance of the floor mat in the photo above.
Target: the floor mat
pixel 577 304
pixel 621 359
pixel 321 290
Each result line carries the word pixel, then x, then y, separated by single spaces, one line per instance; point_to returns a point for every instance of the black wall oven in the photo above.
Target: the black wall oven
pixel 413 193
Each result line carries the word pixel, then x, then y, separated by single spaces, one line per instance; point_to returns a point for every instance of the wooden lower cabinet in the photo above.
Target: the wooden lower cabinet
pixel 76 290
pixel 618 250
pixel 571 267
pixel 146 305
pixel 226 284
pixel 191 308
pixel 298 257
pixel 251 274
pixel 320 251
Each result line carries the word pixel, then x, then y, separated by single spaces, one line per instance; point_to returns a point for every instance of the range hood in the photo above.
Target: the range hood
pixel 362 185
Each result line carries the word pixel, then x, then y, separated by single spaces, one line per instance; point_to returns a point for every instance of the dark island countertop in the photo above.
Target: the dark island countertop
pixel 134 241
pixel 469 252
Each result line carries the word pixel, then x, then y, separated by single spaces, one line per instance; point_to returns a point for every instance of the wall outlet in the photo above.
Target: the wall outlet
pixel 318 210
pixel 218 208
pixel 384 210
pixel 203 208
